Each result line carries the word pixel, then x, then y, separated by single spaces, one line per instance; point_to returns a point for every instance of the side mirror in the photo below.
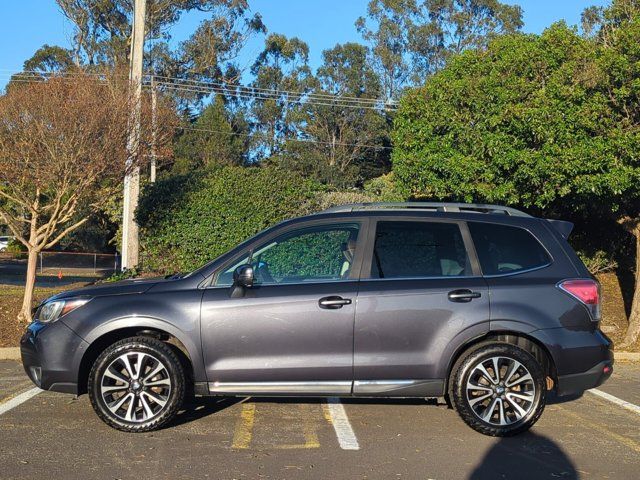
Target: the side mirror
pixel 243 276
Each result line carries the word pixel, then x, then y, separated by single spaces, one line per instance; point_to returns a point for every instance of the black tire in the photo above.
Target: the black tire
pixel 146 413
pixel 467 367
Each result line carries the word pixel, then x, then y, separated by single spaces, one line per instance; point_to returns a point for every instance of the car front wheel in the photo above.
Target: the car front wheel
pixel 498 389
pixel 137 384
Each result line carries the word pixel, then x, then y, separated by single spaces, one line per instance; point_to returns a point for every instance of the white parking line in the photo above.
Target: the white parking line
pixel 18 400
pixel 618 401
pixel 338 417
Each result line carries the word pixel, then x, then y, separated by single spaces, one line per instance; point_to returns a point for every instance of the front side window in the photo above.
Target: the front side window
pixel 503 249
pixel 313 254
pixel 419 249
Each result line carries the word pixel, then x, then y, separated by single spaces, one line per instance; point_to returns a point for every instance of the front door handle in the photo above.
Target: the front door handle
pixel 333 302
pixel 463 295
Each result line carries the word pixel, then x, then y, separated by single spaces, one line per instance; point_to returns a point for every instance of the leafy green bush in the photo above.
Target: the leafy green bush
pixel 15 246
pixel 189 219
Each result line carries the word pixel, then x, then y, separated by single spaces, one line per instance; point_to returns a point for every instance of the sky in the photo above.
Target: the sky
pixel 25 25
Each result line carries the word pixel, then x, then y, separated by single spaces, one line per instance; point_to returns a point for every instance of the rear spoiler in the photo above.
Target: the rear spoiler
pixel 562 227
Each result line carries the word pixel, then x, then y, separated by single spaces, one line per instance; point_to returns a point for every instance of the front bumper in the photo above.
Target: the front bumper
pixel 51 356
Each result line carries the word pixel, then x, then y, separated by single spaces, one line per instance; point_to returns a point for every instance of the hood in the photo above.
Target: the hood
pixel 123 287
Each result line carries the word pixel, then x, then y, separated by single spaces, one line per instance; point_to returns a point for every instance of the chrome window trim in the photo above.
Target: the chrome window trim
pixel 518 272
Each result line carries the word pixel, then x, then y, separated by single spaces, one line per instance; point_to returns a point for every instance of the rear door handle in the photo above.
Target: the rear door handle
pixel 333 302
pixel 463 295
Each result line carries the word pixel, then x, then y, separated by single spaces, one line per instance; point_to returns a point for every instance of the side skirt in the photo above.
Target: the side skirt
pixel 359 388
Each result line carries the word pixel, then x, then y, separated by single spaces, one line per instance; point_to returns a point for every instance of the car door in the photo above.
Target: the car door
pixel 292 332
pixel 421 295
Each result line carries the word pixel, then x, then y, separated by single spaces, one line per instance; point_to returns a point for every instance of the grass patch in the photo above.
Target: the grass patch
pixel 10 302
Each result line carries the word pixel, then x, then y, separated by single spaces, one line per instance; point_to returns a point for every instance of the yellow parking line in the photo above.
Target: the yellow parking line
pixel 244 428
pixel 602 429
pixel 308 430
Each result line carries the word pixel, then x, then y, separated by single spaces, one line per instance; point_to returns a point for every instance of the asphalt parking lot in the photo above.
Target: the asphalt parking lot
pixel 57 436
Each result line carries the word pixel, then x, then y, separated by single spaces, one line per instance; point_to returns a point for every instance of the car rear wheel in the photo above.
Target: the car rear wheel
pixel 498 389
pixel 137 384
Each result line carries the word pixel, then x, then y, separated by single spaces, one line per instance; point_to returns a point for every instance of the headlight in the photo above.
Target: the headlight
pixel 52 311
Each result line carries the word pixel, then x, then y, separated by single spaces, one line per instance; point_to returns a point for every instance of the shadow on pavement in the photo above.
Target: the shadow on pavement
pixel 526 456
pixel 200 407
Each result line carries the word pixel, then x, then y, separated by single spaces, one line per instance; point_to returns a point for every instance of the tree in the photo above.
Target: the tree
pixel 216 138
pixel 542 122
pixel 62 150
pixel 411 39
pixel 102 29
pixel 348 140
pixel 281 73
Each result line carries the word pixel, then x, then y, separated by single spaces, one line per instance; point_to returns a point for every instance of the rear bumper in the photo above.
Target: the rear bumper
pixel 583 358
pixel 50 356
pixel 577 383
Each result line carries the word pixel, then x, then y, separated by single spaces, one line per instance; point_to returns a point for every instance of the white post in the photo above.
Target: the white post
pixel 132 177
pixel 154 126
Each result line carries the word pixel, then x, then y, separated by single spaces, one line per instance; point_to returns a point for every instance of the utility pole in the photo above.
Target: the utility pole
pixel 154 126
pixel 132 177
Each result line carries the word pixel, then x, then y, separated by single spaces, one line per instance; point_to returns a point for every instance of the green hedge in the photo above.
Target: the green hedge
pixel 190 219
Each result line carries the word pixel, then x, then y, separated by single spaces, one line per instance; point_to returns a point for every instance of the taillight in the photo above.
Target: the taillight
pixel 587 292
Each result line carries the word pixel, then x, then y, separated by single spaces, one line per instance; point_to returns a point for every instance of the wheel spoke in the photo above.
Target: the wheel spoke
pixel 115 375
pixel 513 368
pixel 488 413
pixel 127 365
pixel 485 373
pixel 158 383
pixel 113 388
pixel 526 396
pixel 496 368
pixel 130 416
pixel 479 399
pixel 115 406
pixel 147 408
pixel 477 386
pixel 519 380
pixel 518 410
pixel 503 420
pixel 154 372
pixel 139 362
pixel 155 398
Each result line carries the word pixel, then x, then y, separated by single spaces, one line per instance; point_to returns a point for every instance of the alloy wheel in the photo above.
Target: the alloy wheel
pixel 135 387
pixel 500 391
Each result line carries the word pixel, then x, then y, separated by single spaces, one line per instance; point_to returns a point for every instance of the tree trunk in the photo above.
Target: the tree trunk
pixel 32 264
pixel 633 330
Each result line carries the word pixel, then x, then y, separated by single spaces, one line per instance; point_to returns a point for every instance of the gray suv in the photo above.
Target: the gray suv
pixel 483 305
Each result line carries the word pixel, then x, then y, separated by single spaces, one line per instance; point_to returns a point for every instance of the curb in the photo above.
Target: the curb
pixel 10 353
pixel 627 356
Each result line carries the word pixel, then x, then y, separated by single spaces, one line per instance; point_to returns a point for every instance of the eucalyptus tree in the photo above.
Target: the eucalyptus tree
pixel 411 39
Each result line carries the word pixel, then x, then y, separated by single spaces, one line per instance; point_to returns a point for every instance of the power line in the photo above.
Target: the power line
pixel 259 96
pixel 239 91
pixel 300 140
pixel 276 91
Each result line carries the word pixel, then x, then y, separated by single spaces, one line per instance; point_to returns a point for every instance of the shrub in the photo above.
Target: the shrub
pixel 190 219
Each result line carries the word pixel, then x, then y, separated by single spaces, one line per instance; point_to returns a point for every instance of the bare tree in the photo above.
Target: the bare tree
pixel 62 149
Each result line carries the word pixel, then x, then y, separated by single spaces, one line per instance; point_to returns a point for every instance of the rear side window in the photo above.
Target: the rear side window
pixel 419 249
pixel 503 249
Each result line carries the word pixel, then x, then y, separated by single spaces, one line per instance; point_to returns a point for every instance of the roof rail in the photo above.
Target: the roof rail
pixel 430 206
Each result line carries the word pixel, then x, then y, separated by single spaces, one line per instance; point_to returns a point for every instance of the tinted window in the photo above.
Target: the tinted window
pixel 419 249
pixel 308 255
pixel 502 249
